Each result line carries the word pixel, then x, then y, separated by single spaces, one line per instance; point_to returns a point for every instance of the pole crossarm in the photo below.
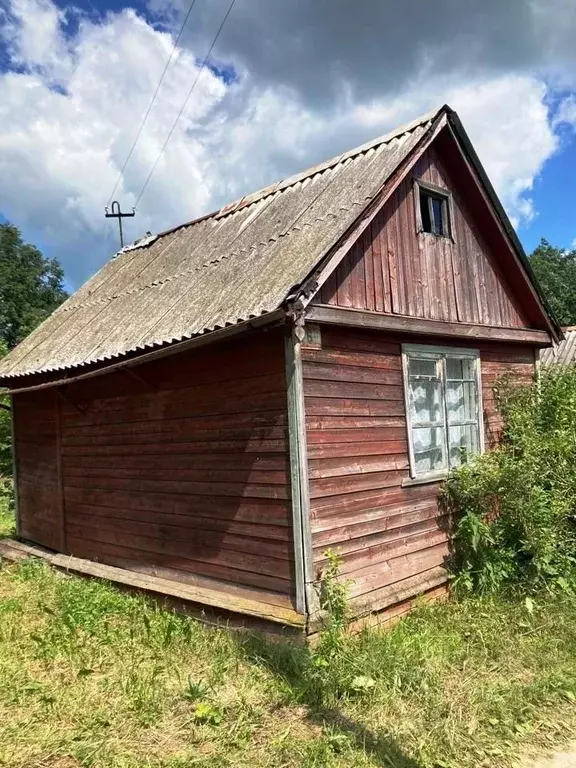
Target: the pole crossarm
pixel 116 213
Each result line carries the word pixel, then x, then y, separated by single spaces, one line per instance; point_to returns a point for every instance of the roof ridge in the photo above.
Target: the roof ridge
pixel 290 181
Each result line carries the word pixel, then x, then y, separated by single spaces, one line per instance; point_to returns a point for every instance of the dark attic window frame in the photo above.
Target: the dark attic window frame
pixel 425 193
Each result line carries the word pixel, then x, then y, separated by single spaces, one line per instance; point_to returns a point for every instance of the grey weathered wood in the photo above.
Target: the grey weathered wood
pixel 303 558
pixel 403 324
pixel 16 551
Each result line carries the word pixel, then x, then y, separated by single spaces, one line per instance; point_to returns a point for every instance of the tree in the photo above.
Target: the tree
pixel 555 269
pixel 31 286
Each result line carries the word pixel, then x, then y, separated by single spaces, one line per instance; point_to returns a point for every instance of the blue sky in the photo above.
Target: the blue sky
pixel 554 196
pixel 288 85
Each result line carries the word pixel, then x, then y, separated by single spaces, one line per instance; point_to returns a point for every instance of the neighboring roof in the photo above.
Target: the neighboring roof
pixel 562 353
pixel 235 264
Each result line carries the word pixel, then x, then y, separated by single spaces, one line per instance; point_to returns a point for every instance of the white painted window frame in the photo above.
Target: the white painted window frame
pixel 432 352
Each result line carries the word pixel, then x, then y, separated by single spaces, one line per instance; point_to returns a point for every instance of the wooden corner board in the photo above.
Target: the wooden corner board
pixel 16 551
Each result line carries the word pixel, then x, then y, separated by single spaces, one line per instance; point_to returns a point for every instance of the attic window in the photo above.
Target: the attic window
pixel 433 209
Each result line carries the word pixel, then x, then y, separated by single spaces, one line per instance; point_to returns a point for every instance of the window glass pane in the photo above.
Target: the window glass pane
pixel 461 401
pixel 425 212
pixel 426 404
pixel 422 367
pixel 437 211
pixel 462 441
pixel 429 449
pixel 460 368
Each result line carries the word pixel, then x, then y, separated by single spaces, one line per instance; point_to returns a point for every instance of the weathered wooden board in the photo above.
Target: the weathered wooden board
pixel 181 467
pixel 388 534
pixel 36 440
pixel 161 582
pixel 396 270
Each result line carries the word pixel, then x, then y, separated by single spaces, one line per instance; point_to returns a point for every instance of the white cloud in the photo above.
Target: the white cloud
pixel 567 112
pixel 69 114
pixel 507 121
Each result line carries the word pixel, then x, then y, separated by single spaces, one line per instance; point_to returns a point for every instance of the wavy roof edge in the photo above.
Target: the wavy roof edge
pixel 253 321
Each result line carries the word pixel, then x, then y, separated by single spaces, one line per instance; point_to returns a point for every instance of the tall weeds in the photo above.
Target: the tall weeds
pixel 515 505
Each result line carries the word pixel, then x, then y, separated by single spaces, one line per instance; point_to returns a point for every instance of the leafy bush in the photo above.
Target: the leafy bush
pixel 515 506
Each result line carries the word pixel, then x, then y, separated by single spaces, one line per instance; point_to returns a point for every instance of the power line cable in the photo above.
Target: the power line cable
pixel 186 100
pixel 147 113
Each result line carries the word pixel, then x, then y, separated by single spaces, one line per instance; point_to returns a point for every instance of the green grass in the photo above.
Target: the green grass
pixel 90 676
pixel 7 527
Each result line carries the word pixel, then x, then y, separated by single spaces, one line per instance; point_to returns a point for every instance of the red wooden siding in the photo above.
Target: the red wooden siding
pixel 36 435
pixel 393 269
pixel 391 537
pixel 181 468
pixel 517 363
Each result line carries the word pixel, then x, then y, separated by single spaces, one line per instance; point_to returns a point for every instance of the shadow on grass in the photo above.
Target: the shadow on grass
pixel 289 661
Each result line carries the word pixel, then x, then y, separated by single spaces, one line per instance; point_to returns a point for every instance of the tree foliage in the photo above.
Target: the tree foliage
pixel 516 505
pixel 31 286
pixel 555 269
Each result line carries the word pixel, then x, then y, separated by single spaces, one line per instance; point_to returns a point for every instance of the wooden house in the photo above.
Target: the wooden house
pixel 223 402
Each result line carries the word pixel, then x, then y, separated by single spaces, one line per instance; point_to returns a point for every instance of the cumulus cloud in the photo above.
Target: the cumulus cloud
pixel 76 88
pixel 567 112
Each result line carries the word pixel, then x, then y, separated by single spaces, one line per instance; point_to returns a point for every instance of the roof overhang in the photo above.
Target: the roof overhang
pixel 56 379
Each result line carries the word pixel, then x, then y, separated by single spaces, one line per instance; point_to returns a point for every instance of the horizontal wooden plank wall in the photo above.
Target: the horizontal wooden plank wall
pixel 40 519
pixel 515 363
pixel 393 539
pixel 180 468
pixel 393 269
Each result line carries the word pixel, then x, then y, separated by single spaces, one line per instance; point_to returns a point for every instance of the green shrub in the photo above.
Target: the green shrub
pixel 515 505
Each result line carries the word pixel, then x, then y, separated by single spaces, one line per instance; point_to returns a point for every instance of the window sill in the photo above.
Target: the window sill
pixel 409 481
pixel 436 236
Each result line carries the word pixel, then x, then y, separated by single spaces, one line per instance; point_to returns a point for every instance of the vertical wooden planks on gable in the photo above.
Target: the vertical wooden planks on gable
pixel 367 257
pixel 394 269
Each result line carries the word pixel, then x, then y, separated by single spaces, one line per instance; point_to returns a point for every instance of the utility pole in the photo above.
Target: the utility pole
pixel 117 214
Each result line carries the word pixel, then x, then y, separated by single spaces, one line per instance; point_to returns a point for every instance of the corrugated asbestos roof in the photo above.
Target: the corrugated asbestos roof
pixel 236 264
pixel 562 353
